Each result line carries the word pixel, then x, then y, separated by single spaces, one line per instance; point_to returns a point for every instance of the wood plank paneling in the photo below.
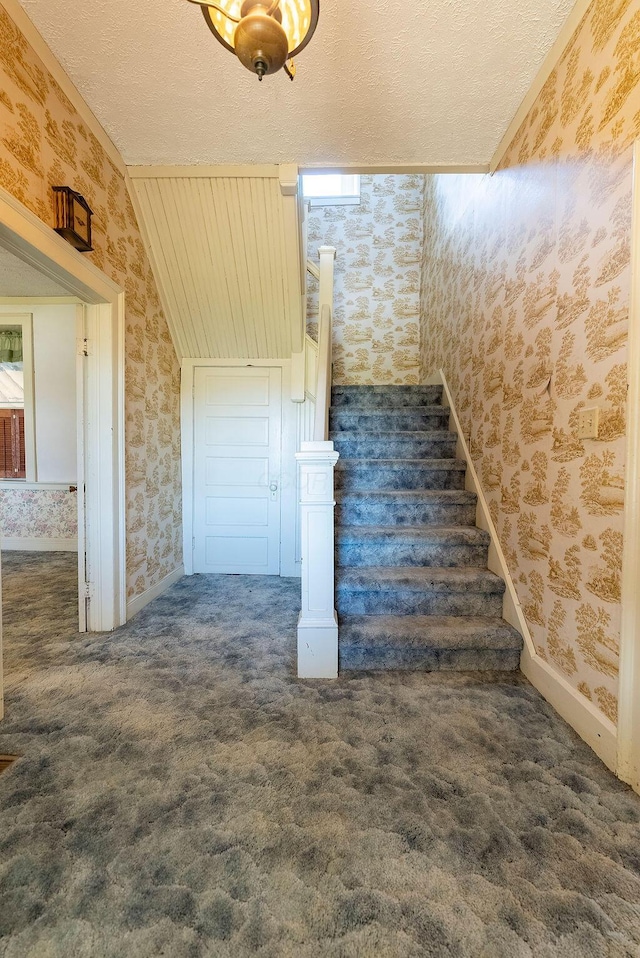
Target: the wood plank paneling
pixel 227 270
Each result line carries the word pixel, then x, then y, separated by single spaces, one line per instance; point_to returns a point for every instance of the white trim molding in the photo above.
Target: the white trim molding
pixel 590 724
pixel 511 608
pixel 138 602
pixel 275 172
pixel 31 240
pixel 288 526
pixel 19 485
pixel 38 300
pixel 629 683
pixel 318 622
pixel 30 544
pixel 203 171
pixel 373 169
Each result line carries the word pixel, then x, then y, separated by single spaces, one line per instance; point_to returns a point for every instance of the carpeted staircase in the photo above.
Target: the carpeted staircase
pixel 412 587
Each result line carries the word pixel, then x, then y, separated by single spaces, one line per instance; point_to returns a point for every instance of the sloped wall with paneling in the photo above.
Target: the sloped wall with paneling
pixel 224 246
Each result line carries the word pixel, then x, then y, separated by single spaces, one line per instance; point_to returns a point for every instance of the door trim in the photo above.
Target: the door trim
pixel 628 768
pixel 83 601
pixel 263 530
pixel 288 505
pixel 25 235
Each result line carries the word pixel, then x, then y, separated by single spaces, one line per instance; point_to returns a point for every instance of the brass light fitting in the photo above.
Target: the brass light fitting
pixel 263 34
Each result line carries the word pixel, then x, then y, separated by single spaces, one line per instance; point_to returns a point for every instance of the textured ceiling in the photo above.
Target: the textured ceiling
pixel 20 279
pixel 384 83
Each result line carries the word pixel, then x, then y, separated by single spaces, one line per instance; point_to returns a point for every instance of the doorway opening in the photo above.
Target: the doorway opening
pixel 76 361
pixel 41 461
pixel 237 466
pixel 238 429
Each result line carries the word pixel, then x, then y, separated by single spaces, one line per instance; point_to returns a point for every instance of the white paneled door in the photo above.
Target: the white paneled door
pixel 237 439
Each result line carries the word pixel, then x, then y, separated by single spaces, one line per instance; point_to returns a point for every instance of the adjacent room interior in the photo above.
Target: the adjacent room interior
pixel 39 503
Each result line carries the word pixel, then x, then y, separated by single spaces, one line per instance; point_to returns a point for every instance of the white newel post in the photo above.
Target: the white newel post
pixel 318 623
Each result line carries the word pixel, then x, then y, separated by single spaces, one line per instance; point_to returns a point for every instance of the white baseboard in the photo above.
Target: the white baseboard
pixel 590 724
pixel 28 544
pixel 511 608
pixel 318 648
pixel 139 601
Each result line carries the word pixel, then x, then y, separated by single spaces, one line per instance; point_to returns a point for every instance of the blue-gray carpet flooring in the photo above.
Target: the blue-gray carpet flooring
pixel 181 794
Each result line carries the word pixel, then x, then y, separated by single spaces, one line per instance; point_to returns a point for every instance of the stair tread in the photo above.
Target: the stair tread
pixel 453 534
pixel 399 393
pixel 433 434
pixel 410 616
pixel 452 496
pixel 389 406
pixel 384 387
pixel 407 389
pixel 428 632
pixel 396 463
pixel 429 409
pixel 419 579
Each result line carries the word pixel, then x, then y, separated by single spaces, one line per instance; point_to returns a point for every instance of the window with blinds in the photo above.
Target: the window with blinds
pixel 12 446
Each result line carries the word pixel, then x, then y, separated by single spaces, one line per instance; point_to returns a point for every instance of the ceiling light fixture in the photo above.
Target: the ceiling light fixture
pixel 263 34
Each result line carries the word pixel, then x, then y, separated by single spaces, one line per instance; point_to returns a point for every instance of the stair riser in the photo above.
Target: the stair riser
pixel 380 397
pixel 343 420
pixel 428 660
pixel 389 513
pixel 397 602
pixel 415 554
pixel 410 598
pixel 415 633
pixel 363 448
pixel 380 477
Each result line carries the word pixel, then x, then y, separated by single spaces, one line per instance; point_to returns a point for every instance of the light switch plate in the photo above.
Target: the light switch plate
pixel 588 423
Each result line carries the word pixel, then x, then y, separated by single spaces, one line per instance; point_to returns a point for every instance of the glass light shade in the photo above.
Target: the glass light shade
pixel 299 20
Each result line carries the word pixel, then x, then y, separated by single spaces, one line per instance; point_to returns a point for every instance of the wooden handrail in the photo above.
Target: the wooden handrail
pixel 313 268
pixel 325 307
pixel 323 383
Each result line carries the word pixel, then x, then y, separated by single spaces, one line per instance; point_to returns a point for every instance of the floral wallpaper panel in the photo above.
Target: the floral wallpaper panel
pixel 524 302
pixel 376 280
pixel 38 513
pixel 44 142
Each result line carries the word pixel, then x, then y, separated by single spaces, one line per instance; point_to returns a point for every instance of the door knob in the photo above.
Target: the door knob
pixel 273 489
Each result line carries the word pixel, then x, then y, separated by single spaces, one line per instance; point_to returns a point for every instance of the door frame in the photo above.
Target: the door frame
pixel 81 430
pixel 628 760
pixel 31 240
pixel 288 508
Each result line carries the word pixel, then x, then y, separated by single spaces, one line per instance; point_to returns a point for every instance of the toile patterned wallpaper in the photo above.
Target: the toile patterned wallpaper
pixel 525 296
pixel 377 280
pixel 43 142
pixel 39 513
